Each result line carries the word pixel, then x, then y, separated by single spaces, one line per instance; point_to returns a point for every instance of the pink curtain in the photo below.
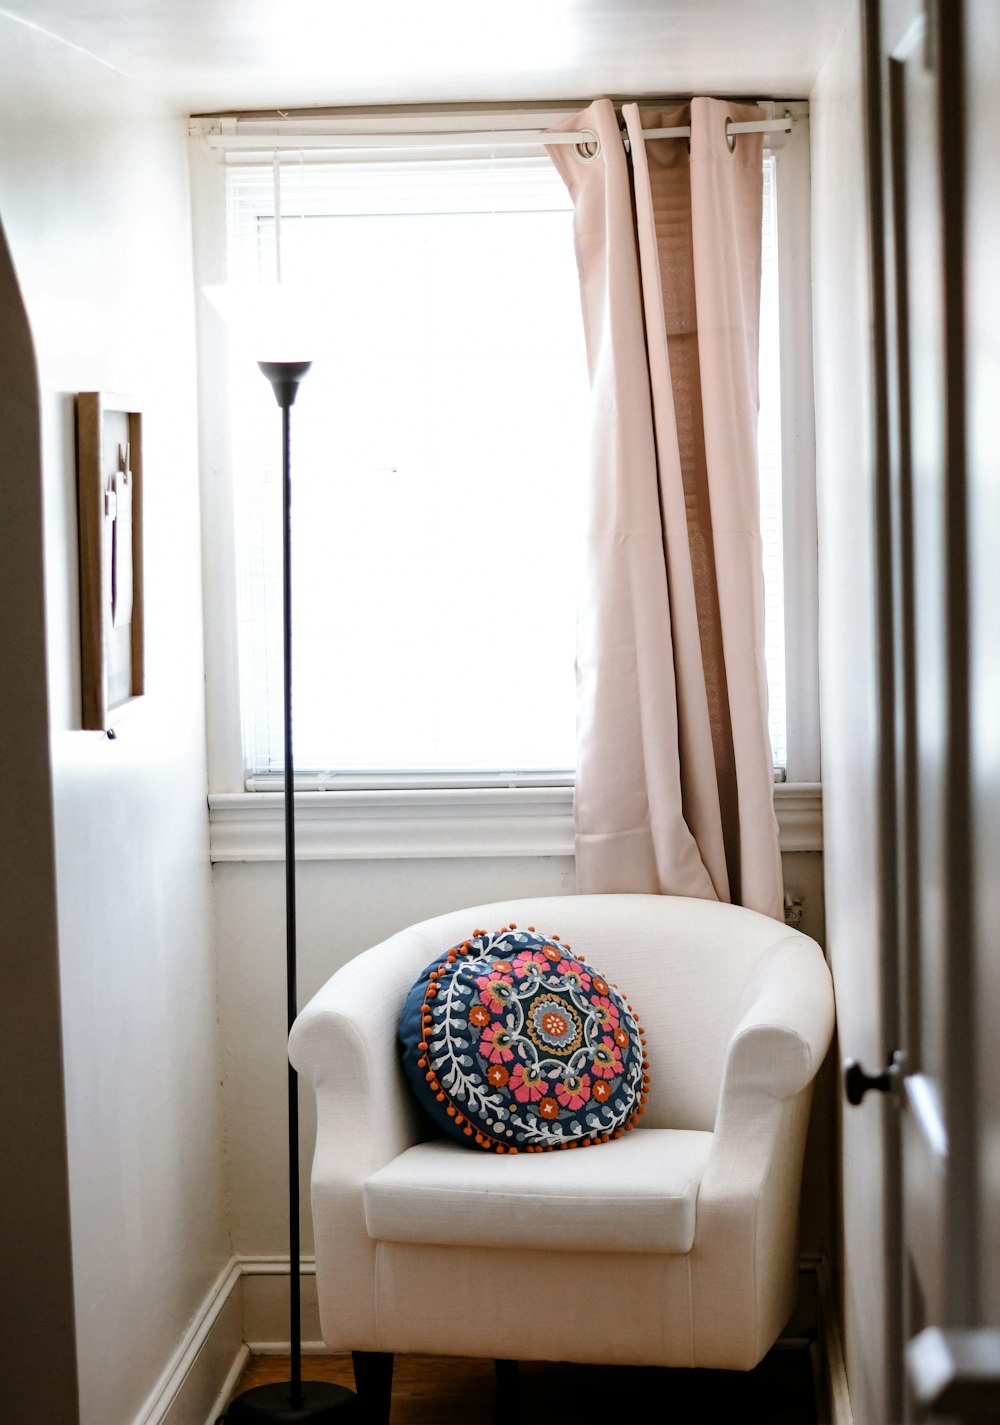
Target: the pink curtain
pixel 674 776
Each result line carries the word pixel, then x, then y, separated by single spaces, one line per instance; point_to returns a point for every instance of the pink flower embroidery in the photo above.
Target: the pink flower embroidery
pixel 607 1059
pixel 604 1011
pixel 573 1091
pixel 496 1044
pixel 495 990
pixel 530 963
pixel 527 1084
pixel 575 973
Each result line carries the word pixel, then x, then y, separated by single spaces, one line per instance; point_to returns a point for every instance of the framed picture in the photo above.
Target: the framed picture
pixel 109 493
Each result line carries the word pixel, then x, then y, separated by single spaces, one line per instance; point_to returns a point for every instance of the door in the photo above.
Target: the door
pixel 929 677
pixel 915 74
pixel 981 175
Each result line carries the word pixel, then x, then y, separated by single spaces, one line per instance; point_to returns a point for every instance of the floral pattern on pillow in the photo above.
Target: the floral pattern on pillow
pixel 513 1043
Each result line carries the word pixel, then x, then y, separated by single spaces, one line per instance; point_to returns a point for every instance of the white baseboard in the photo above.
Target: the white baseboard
pixel 212 1349
pixel 265 1306
pixel 244 1312
pixel 837 1405
pixel 229 1385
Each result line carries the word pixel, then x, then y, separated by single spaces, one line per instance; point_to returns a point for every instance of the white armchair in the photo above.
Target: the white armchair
pixel 675 1245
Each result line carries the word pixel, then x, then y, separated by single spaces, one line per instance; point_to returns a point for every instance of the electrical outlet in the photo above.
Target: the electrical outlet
pixel 793 910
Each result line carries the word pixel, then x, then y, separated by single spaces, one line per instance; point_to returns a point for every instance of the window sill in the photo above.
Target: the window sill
pixel 440 824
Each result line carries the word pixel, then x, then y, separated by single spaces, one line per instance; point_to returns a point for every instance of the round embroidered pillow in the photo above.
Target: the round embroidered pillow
pixel 512 1043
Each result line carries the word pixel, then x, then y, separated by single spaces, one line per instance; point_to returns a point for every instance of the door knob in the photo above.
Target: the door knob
pixel 857 1082
pixel 956 1373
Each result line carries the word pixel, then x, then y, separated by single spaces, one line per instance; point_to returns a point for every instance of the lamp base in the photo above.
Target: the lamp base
pixel 323 1403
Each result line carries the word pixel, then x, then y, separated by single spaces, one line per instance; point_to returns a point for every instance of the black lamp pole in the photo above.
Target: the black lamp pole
pixel 294 1401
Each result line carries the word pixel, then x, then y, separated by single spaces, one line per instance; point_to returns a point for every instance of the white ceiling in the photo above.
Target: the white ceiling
pixel 212 55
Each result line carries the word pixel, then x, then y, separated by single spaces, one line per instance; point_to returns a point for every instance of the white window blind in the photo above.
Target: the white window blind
pixel 439 451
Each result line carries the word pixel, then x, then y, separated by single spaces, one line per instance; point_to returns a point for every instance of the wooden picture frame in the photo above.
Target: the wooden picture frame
pixel 109 497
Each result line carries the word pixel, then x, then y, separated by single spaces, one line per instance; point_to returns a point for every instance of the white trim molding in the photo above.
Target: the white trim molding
pixel 390 825
pixel 438 823
pixel 835 1405
pixel 208 1361
pixel 244 1313
pixel 265 1306
pixel 799 809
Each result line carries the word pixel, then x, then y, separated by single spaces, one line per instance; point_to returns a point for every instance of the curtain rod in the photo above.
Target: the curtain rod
pixel 750 126
pixel 389 143
pixel 504 138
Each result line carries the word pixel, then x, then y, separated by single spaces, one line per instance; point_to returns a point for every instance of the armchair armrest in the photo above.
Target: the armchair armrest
pixel 344 1043
pixel 747 1213
pixel 783 1034
pixel 775 1051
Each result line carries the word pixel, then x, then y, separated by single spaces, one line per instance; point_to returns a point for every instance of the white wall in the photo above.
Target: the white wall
pixel 94 200
pixel 845 476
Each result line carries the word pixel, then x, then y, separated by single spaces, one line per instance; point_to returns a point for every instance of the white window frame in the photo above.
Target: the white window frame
pixel 379 818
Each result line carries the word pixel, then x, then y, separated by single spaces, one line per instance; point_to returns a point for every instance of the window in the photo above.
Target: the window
pixel 769 463
pixel 438 451
pixel 438 454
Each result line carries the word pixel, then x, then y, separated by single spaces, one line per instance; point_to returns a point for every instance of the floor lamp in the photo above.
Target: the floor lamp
pixel 294 1401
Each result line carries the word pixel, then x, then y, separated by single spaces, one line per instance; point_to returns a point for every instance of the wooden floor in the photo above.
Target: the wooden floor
pixel 433 1390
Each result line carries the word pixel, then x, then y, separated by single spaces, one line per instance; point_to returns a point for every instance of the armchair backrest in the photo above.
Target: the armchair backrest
pixel 689 968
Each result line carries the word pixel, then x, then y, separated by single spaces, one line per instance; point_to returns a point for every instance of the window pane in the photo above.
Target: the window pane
pixel 437 465
pixel 769 461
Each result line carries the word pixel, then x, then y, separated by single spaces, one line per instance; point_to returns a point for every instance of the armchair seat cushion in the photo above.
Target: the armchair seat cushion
pixel 637 1194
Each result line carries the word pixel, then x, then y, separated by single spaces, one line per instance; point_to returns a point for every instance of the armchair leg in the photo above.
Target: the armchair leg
pixel 373 1378
pixel 507 1401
